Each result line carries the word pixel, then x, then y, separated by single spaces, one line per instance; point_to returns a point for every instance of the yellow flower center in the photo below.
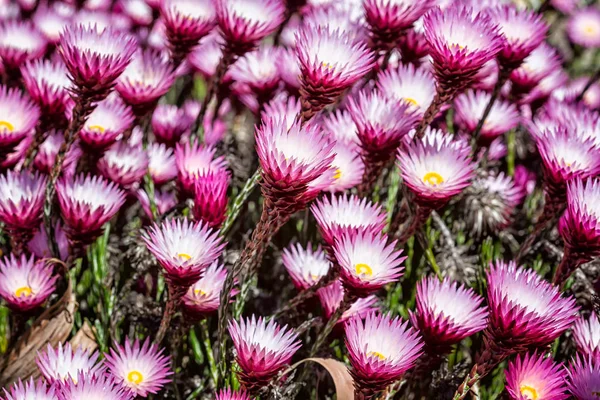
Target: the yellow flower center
pixel 135 377
pixel 23 291
pixel 184 256
pixel 199 291
pixel 411 101
pixel 314 276
pixel 338 174
pixel 6 126
pixel 97 128
pixel 529 392
pixel 433 178
pixel 326 65
pixel 363 269
pixel 590 29
pixel 376 354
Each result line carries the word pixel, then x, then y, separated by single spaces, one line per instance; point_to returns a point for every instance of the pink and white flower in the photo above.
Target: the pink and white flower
pixel 537 65
pixel 20 42
pixel 349 168
pixel 109 119
pixel 162 164
pixel 305 265
pixel 341 127
pixel 36 390
pixel 583 27
pixel 414 86
pixel 583 378
pixel 97 387
pixel 186 22
pixel 194 161
pixel 18 117
pixel 124 164
pixel 259 70
pixel 228 394
pixel 21 200
pixel 169 123
pixel 47 83
pixel 163 199
pixel 63 364
pixel 210 198
pixel 332 296
pixel 586 333
pixel 535 376
pixel 204 296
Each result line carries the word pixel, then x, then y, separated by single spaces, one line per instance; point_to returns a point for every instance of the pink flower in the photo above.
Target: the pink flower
pixel 586 333
pixel 305 266
pixel 25 284
pixel 101 387
pixel 349 168
pixel 44 160
pixel 21 200
pixel 169 123
pixel 194 161
pixel 228 394
pixel 64 364
pixel 536 66
pixel 535 376
pixel 331 298
pixel 204 296
pixel 414 86
pixel 583 27
pixel 258 70
pixel 186 22
pixel 162 164
pixel 163 199
pixel 583 380
pixel 341 128
pixel 124 164
pixel 47 83
pixel 104 125
pixel 51 21
pixel 210 198
pixel 18 117
pixel 37 390
pixel 141 368
pixel 20 42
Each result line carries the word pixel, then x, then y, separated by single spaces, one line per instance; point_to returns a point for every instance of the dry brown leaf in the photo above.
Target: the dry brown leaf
pixel 85 338
pixel 52 327
pixel 344 384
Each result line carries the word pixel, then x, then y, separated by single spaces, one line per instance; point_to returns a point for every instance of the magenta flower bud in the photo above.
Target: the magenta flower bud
pixel 98 386
pixel 210 197
pixel 413 45
pixel 330 62
pixel 124 164
pixel 367 262
pixel 18 117
pixel 163 199
pixel 46 156
pixel 86 204
pixel 141 368
pixel 244 23
pixel 262 349
pixel 381 349
pixel 48 85
pixel 161 165
pixel 21 201
pixel 586 333
pixel 228 394
pixel 446 313
pixel 37 390
pixel 414 86
pixel 460 42
pixel 184 249
pixel 148 77
pixel 203 297
pixel 109 119
pixel 305 266
pixel 169 123
pixel 436 168
pixel 194 161
pixel 20 42
pixel 64 364
pixel 534 376
pixel 583 377
pixel 347 214
pixel 332 296
pixel 536 66
pixel 95 58
pixel 24 283
pixel 583 27
pixel 259 70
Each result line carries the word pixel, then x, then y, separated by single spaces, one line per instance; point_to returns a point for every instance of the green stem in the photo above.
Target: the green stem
pixel 214 371
pixel 239 201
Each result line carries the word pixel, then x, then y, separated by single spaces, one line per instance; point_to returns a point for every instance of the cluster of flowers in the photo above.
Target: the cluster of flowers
pixel 341 92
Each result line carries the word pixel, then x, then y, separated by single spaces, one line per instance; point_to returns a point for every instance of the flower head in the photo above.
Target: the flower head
pixel 204 296
pixel 124 164
pixel 583 27
pixel 228 394
pixel 86 204
pixel 36 390
pixel 205 57
pixel 381 349
pixel 47 83
pixel 169 123
pixel 44 160
pixel 186 22
pixel 347 214
pixel 161 165
pixel 210 197
pixel 51 21
pixel 305 265
pixel 447 312
pixel 64 364
pixel 580 224
pixel 163 199
pixel 583 381
pixel 341 127
pixel 94 58
pixel 331 297
pixel 97 387
pixel 414 86
pixel 263 348
pixel 38 245
pixel 183 248
pixel 367 262
pixel 195 161
pixel 20 42
pixel 289 70
pixel 537 65
pixel 412 45
pixel 18 116
pixel 142 368
pixel 22 199
pixel 25 284
pixel 259 70
pixel 139 11
pixel 525 310
pixel 534 376
pixel 586 333
pixel 460 41
pixel 349 168
pixel 104 125
pixel 436 168
pixel 282 108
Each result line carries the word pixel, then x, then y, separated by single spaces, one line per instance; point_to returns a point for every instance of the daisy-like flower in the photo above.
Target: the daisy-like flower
pixel 18 116
pixel 341 128
pixel 436 168
pixel 203 297
pixel 184 249
pixel 161 165
pixel 25 284
pixel 534 376
pixel 332 296
pixel 536 66
pixel 330 62
pixel 305 265
pixel 259 70
pixel 292 157
pixel 145 80
pixel 210 198
pixel 124 164
pixel 194 161
pixel 94 58
pixel 186 22
pixel 51 21
pixel 282 108
pixel 47 83
pixel 244 23
pixel 97 387
pixel 446 313
pixel 20 42
pixel 347 214
pixel 583 27
pixel 381 349
pixel 586 333
pixel 263 348
pixel 583 381
pixel 205 57
pixel 349 168
pixel 522 30
pixel 139 11
pixel 64 363
pixel 367 262
pixel 109 119
pixel 46 156
pixel 86 204
pixel 469 108
pixel 142 368
pixel 228 394
pixel 289 70
pixel 21 201
pixel 169 123
pixel 415 86
pixel 36 390
pixel 163 199
pixel 525 311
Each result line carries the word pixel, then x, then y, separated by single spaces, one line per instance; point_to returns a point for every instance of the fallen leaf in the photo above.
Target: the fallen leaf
pixel 344 384
pixel 85 338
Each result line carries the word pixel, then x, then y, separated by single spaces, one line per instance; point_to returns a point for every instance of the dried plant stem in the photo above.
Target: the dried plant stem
pixel 346 303
pixel 175 294
pixel 371 173
pixel 418 218
pixel 470 380
pixel 550 210
pixel 568 265
pixel 400 216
